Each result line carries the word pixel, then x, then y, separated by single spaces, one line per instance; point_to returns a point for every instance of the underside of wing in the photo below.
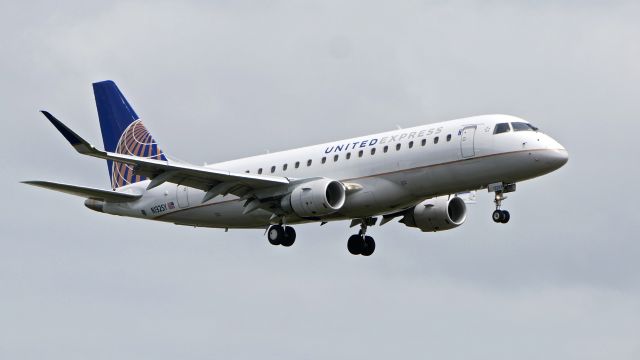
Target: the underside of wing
pixel 200 177
pixel 274 194
pixel 214 182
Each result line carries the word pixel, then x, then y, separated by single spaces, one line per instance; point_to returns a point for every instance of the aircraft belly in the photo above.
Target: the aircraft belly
pixel 474 173
pixel 383 193
pixel 226 214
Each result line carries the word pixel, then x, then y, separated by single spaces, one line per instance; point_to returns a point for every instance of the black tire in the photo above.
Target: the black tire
pixel 505 216
pixel 497 216
pixel 369 246
pixel 275 234
pixel 355 244
pixel 289 237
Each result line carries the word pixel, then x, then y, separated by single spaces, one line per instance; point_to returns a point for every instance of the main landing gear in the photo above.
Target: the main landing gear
pixel 361 244
pixel 358 244
pixel 281 235
pixel 499 215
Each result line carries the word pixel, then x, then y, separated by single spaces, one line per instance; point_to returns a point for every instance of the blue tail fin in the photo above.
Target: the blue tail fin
pixel 122 132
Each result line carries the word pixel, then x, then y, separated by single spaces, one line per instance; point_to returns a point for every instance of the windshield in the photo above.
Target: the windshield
pixel 501 128
pixel 521 126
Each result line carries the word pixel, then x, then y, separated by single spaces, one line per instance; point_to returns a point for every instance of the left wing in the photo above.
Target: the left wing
pixel 213 182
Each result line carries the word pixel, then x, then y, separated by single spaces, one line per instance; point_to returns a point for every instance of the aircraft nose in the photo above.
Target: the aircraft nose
pixel 555 158
pixel 553 154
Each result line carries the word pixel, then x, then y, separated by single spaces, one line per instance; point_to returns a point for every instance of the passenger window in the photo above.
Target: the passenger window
pixel 260 171
pixel 398 147
pixel 348 155
pixel 373 151
pixel 501 128
pixel 360 153
pixel 284 167
pixel 273 169
pixel 385 148
pixel 335 158
pixel 449 137
pixel 424 142
pixel 410 144
pixel 247 171
pixel 297 164
pixel 436 139
pixel 324 159
pixel 309 162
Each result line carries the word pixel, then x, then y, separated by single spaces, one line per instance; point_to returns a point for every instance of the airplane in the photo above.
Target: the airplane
pixel 424 176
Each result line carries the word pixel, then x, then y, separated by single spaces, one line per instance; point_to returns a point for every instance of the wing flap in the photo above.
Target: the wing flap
pixel 86 192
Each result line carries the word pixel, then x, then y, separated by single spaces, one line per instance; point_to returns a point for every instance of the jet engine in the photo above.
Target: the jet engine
pixel 315 198
pixel 437 214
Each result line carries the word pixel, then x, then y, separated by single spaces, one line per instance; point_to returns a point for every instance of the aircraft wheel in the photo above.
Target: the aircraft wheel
pixel 355 244
pixel 369 246
pixel 501 216
pixel 289 237
pixel 497 216
pixel 275 234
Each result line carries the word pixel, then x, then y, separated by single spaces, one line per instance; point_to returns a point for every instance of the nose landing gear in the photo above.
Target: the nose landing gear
pixel 499 215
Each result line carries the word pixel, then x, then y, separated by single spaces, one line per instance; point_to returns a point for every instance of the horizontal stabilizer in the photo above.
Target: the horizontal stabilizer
pixel 86 192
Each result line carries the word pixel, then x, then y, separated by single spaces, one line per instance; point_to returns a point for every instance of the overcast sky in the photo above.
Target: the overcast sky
pixel 216 80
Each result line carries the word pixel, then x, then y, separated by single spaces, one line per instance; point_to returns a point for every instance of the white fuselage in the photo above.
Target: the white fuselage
pixel 390 171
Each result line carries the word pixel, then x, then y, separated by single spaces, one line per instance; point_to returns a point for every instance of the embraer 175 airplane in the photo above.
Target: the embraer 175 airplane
pixel 421 175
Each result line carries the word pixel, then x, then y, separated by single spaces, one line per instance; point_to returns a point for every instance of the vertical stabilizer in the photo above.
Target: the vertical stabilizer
pixel 122 132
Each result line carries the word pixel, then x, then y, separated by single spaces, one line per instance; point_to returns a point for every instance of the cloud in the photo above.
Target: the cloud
pixel 222 80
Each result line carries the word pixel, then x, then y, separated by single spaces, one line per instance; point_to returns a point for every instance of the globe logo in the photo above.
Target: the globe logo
pixel 136 141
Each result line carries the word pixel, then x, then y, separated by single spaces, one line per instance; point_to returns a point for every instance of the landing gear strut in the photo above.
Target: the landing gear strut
pixel 281 235
pixel 361 244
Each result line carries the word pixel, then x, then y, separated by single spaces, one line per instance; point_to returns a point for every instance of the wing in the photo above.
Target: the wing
pixel 213 182
pixel 86 192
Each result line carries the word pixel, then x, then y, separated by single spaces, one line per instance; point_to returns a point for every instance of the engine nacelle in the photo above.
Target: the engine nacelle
pixel 437 214
pixel 315 198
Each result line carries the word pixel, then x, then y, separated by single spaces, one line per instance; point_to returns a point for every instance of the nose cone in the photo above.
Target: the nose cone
pixel 553 155
pixel 555 158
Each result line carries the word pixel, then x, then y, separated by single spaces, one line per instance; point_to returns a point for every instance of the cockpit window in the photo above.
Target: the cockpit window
pixel 501 128
pixel 521 126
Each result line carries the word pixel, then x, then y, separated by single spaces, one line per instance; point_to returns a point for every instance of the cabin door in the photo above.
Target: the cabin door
pixel 182 193
pixel 466 142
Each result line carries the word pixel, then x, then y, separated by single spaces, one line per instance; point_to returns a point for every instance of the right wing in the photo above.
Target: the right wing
pixel 213 182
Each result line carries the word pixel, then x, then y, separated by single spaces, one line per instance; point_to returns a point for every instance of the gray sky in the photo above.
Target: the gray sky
pixel 227 79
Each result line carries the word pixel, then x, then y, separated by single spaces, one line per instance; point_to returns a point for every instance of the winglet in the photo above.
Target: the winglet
pixel 80 144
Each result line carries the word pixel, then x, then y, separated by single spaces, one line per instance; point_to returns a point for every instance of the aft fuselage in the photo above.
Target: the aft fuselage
pixel 384 173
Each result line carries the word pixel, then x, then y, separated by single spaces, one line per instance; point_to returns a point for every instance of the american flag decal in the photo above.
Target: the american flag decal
pixel 170 205
pixel 137 141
